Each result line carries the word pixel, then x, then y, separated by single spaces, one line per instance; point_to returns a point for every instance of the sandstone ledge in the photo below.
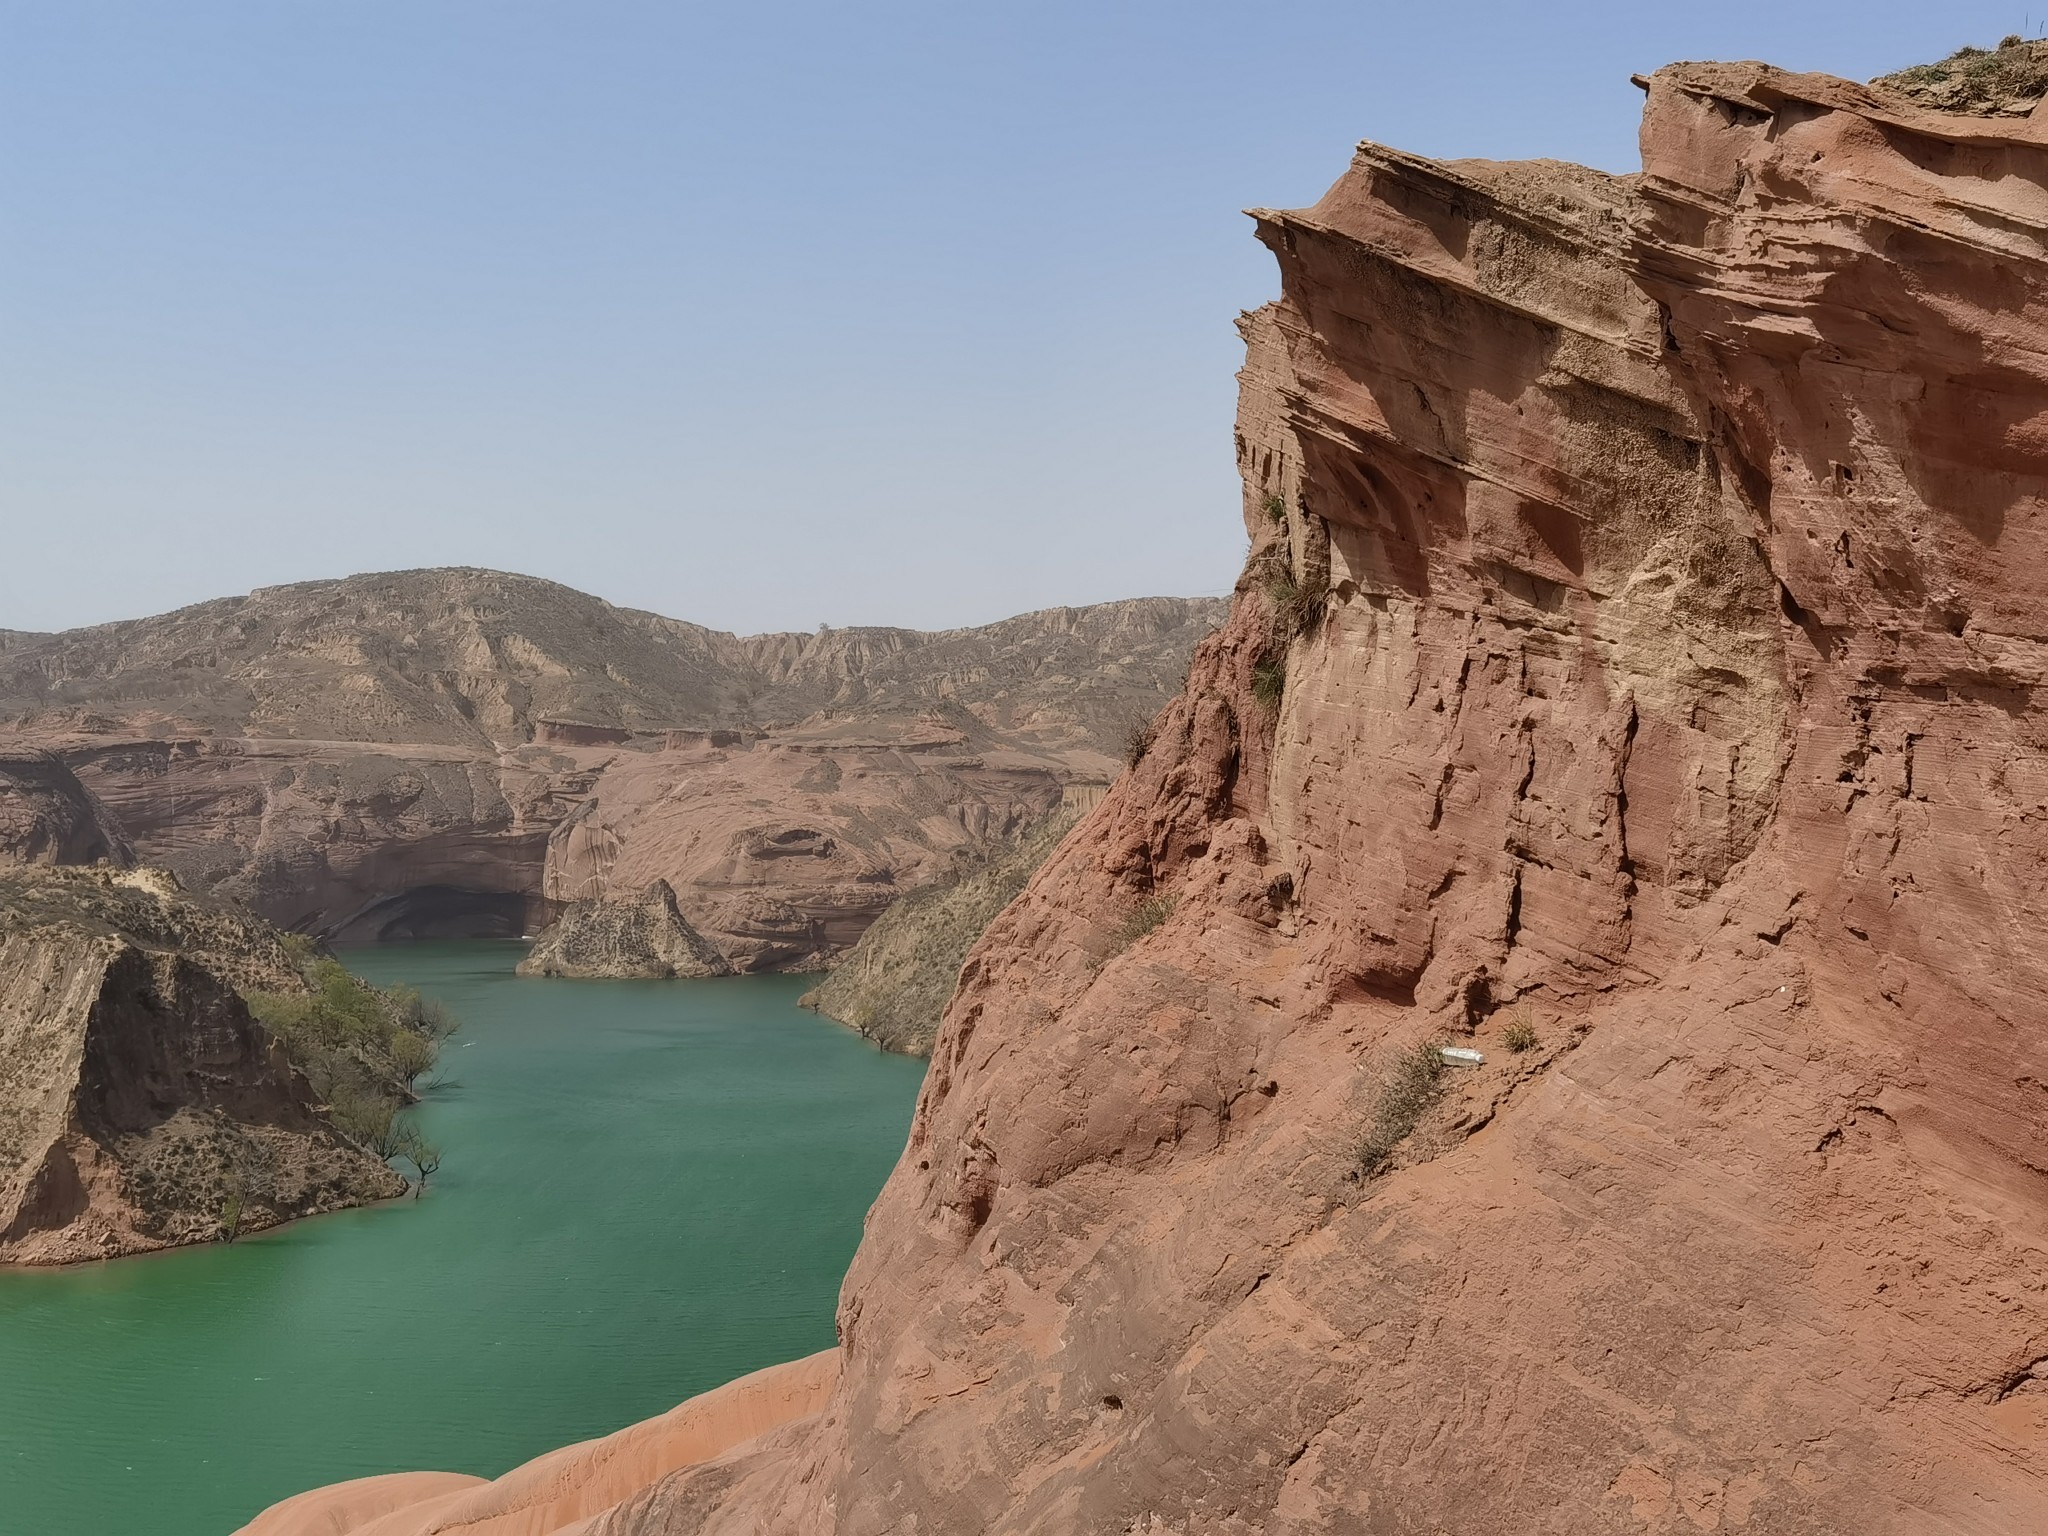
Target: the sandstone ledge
pixel 571 1489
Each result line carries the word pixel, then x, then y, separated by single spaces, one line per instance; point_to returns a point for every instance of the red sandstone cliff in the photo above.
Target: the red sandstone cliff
pixel 1674 691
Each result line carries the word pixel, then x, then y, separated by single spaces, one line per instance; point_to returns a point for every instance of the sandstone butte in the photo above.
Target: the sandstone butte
pixel 455 753
pixel 1674 691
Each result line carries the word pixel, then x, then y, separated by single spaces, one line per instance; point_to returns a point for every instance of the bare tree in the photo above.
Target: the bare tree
pixel 424 1156
pixel 372 1123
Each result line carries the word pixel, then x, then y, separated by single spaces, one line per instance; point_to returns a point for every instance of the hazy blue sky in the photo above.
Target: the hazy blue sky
pixel 763 315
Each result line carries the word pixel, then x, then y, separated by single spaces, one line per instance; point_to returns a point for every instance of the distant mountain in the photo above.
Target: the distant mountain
pixel 460 751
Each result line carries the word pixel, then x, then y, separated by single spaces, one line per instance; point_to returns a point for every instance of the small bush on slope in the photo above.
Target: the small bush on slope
pixel 1414 1082
pixel 361 1047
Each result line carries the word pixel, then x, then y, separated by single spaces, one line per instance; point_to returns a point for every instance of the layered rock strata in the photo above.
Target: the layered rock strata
pixel 646 939
pixel 48 817
pixel 457 753
pixel 893 986
pixel 141 1106
pixel 1639 665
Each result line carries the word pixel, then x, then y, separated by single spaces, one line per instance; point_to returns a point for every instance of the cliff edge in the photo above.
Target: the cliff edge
pixel 1635 684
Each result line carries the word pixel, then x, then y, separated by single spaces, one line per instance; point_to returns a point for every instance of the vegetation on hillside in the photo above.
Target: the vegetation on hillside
pixel 893 986
pixel 2004 81
pixel 364 1049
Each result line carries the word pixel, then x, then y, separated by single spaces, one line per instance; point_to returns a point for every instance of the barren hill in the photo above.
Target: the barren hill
pixel 464 751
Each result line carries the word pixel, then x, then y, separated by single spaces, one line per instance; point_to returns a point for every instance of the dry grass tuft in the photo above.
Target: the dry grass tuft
pixel 1269 681
pixel 1414 1082
pixel 2004 81
pixel 1143 919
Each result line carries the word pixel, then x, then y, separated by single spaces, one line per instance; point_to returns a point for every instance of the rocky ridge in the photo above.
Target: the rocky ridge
pixel 466 752
pixel 1640 662
pixel 141 1105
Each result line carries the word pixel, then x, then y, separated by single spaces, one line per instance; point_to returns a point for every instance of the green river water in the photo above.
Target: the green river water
pixel 649 1188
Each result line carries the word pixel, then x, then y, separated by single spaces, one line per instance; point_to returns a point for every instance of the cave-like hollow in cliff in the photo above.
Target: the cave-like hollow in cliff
pixel 436 912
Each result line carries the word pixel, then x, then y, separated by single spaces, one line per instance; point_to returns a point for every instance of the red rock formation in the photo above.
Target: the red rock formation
pixel 1671 692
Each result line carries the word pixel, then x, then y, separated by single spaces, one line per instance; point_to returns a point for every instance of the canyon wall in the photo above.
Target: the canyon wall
pixel 447 753
pixel 1633 683
pixel 48 817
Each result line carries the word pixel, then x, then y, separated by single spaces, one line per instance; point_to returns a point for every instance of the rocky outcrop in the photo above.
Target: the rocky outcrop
pixel 2007 81
pixel 449 753
pixel 48 817
pixel 893 986
pixel 140 1104
pixel 647 938
pixel 1637 681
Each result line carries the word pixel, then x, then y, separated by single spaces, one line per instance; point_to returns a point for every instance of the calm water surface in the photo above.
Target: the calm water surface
pixel 649 1188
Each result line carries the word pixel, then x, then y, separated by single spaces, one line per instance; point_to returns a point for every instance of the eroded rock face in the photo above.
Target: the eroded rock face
pixel 138 1098
pixel 48 817
pixel 464 753
pixel 648 938
pixel 1641 654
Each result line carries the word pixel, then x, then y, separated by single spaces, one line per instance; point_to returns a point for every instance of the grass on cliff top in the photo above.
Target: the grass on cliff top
pixel 2002 81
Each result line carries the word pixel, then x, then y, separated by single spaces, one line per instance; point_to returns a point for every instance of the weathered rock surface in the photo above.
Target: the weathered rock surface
pixel 48 817
pixel 717 1432
pixel 646 938
pixel 137 1095
pixel 1648 584
pixel 444 753
pixel 893 986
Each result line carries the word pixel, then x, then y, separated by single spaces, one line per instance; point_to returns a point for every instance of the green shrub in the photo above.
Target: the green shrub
pixel 1275 508
pixel 1269 680
pixel 1297 601
pixel 369 1120
pixel 362 1048
pixel 1414 1082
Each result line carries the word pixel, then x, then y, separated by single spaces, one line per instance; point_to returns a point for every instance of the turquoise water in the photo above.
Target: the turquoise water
pixel 649 1188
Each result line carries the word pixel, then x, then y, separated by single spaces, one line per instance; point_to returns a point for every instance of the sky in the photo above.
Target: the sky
pixel 765 315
